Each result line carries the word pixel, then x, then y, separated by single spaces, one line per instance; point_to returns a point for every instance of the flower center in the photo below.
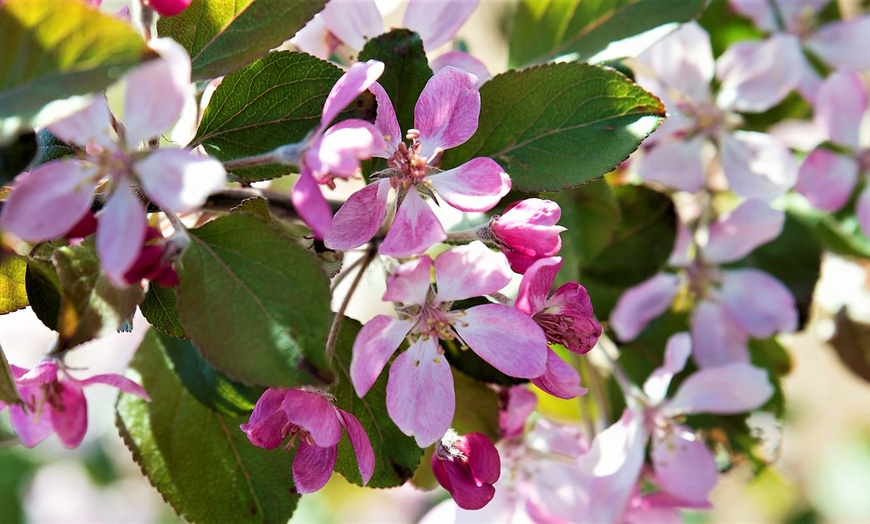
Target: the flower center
pixel 411 167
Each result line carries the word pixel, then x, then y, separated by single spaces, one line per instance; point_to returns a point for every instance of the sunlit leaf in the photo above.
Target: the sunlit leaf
pixel 13 292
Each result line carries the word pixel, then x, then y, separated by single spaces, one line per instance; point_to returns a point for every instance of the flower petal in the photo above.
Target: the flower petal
pixel 338 152
pixel 43 373
pixel 759 303
pixel 116 381
pixel 516 404
pixel 683 60
pixel 88 126
pixel 70 419
pixel 560 379
pixel 268 426
pixel 353 21
pixel 677 351
pixel 469 271
pixel 415 229
pixel 386 121
pixel 376 342
pixel 357 79
pixel 716 339
pixel 410 282
pixel 536 284
pixel 758 75
pixel 312 466
pixel 843 43
pixel 362 447
pixel 506 338
pixel 420 396
pixel 179 180
pixel 642 303
pixel 437 21
pixel 736 234
pixel 840 106
pixel 359 218
pixel 477 185
pixel 312 412
pixel 684 466
pixel 121 233
pixel 47 202
pixel 757 165
pixel 311 205
pixel 732 388
pixel 315 38
pixel 464 61
pixel 447 111
pixel 827 179
pixel 31 428
pixel 675 164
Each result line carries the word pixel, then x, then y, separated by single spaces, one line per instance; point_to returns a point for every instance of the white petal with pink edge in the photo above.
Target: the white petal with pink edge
pixel 353 21
pixel 120 233
pixel 758 75
pixel 470 271
pixel 90 125
pixel 759 303
pixel 726 389
pixel 410 282
pixel 415 229
pixel 437 21
pixel 677 352
pixel 356 80
pixel 447 111
pixel 360 217
pixel 827 179
pixel 684 466
pixel 642 303
pixel 675 164
pixel 179 180
pixel 843 44
pixel 477 185
pixel 840 107
pixel 757 165
pixel 716 338
pixel 376 342
pixel 736 234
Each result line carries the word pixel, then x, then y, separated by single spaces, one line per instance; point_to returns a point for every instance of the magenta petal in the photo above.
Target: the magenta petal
pixel 477 185
pixel 374 345
pixel 360 217
pixel 757 165
pixel 536 284
pixel 727 389
pixel 675 164
pixel 353 21
pixel 736 234
pixel 642 303
pixel 415 229
pixel 447 111
pixel 437 21
pixel 311 205
pixel 313 413
pixel 420 396
pixel 88 126
pixel 410 282
pixel 840 107
pixel 483 458
pixel 716 339
pixel 759 303
pixel 121 233
pixel 116 381
pixel 31 428
pixel 312 466
pixel 827 179
pixel 469 271
pixel 179 180
pixel 560 379
pixel 506 338
pixel 362 447
pixel 386 121
pixel 70 421
pixel 356 80
pixel 268 425
pixel 43 373
pixel 684 466
pixel 678 349
pixel 47 202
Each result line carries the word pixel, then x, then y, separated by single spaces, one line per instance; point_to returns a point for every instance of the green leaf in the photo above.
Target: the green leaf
pixel 546 29
pixel 90 306
pixel 159 309
pixel 255 303
pixel 8 390
pixel 840 234
pixel 224 35
pixel 43 291
pixel 16 155
pixel 50 148
pixel 13 292
pixel 275 101
pixel 476 407
pixel 640 247
pixel 770 355
pixel 54 49
pixel 557 126
pixel 198 459
pixel 396 454
pixel 406 70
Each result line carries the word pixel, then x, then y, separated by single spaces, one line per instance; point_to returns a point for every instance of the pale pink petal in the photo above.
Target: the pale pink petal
pixel 338 152
pixel 843 44
pixel 840 107
pixel 410 282
pixel 507 339
pixel 313 412
pixel 360 217
pixel 374 345
pixel 355 81
pixel 268 426
pixel 353 21
pixel 760 304
pixel 415 229
pixel 121 233
pixel 91 125
pixel 758 75
pixel 311 205
pixel 315 39
pixel 31 428
pixel 386 121
pixel 675 164
pixel 810 82
pixel 116 381
pixel 759 12
pixel 642 303
pixel 437 21
pixel 827 179
pixel 43 373
pixel 862 210
pixel 683 60
pixel 447 111
pixel 536 285
pixel 757 165
pixel 156 92
pixel 684 466
pixel 516 404
pixel 312 466
pixel 469 271
pixel 560 380
pixel 362 447
pixel 420 396
pixel 179 180
pixel 735 234
pixel 464 61
pixel 716 339
pixel 477 185
pixel 683 253
pixel 677 351
pixel 727 389
pixel 70 419
pixel 47 202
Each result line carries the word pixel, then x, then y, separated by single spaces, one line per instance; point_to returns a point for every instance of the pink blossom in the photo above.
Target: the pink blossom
pixel 467 467
pixel 420 397
pixel 154 262
pixel 168 7
pixel 527 231
pixel 445 116
pixel 178 180
pixel 516 403
pixel 55 403
pixel 310 417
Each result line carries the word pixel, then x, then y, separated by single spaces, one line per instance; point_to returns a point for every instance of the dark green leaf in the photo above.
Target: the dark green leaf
pixel 58 48
pixel 43 291
pixel 851 340
pixel 50 148
pixel 396 454
pixel 13 292
pixel 222 35
pixel 840 234
pixel 159 309
pixel 255 303
pixel 560 125
pixel 546 29
pixel 16 469
pixel 406 72
pixel 770 355
pixel 277 100
pixel 16 155
pixel 8 389
pixel 90 306
pixel 476 407
pixel 198 459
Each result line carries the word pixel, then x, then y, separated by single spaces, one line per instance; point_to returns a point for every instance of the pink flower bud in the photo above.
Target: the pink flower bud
pixel 168 7
pixel 467 467
pixel 527 231
pixel 153 262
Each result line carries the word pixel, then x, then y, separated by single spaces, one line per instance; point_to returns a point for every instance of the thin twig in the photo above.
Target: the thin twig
pixel 339 315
